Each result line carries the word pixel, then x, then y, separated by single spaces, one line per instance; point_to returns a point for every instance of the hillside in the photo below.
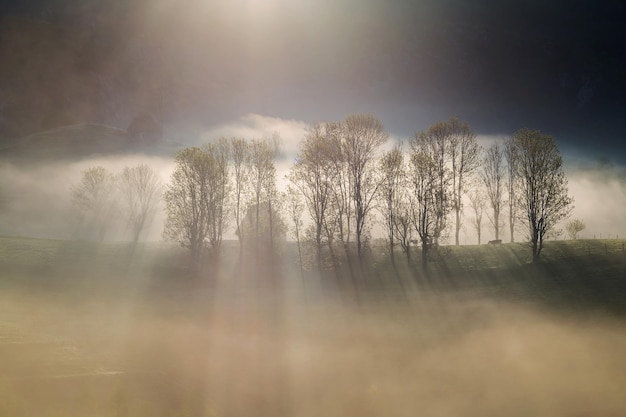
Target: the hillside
pixel 79 141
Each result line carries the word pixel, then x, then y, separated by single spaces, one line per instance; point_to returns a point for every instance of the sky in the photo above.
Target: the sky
pixel 499 65
pixel 250 68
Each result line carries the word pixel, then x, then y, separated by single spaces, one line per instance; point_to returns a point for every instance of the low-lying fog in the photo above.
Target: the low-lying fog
pixel 267 355
pixel 35 198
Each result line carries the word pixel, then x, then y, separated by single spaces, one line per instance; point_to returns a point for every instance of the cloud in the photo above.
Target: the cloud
pixel 256 126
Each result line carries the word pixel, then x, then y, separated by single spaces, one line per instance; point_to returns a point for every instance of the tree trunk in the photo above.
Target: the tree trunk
pixel 271 221
pixel 535 239
pixel 496 223
pixel 458 227
pixel 425 256
pixel 511 224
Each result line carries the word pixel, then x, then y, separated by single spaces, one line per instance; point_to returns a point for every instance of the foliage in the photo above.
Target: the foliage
pixel 313 175
pixel 391 192
pixel 573 227
pixel 195 199
pixel 363 135
pixel 428 200
pixel 430 155
pixel 543 199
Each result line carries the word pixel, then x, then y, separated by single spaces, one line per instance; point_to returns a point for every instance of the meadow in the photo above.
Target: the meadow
pixel 119 330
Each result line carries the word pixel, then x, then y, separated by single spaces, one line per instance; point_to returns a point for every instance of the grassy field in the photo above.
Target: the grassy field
pixel 117 330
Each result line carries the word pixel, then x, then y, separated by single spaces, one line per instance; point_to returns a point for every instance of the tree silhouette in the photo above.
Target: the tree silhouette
pixel 393 182
pixel 364 134
pixel 95 197
pixel 493 176
pixel 464 158
pixel 140 191
pixel 543 198
pixel 573 227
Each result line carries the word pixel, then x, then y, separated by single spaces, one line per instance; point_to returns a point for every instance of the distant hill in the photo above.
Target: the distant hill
pixel 80 141
pixel 57 73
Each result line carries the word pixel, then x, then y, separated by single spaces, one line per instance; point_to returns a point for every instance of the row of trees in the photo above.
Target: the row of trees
pixel 343 175
pixel 231 180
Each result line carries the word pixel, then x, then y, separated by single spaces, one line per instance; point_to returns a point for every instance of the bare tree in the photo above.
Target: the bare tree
pixel 295 209
pixel 341 211
pixel 478 203
pixel 364 134
pixel 218 195
pixel 402 223
pixel 239 152
pixel 185 202
pixel 543 198
pixel 140 188
pixel 312 175
pixel 433 143
pixel 428 205
pixel 493 176
pixel 510 154
pixel 95 197
pixel 573 227
pixel 465 158
pixel 262 180
pixel 392 171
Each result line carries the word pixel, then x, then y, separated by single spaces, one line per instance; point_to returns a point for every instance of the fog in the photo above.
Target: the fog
pixel 218 353
pixel 35 197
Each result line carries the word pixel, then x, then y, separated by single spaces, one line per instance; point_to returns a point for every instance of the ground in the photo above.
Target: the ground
pixel 112 330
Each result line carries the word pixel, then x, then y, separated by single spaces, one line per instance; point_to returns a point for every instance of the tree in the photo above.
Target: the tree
pixel 428 205
pixel 340 214
pixel 402 223
pixel 478 203
pixel 465 158
pixel 312 175
pixel 363 134
pixel 392 171
pixel 295 208
pixel 493 175
pixel 267 237
pixel 219 188
pixel 193 199
pixel 573 227
pixel 510 154
pixel 240 154
pixel 262 180
pixel 95 196
pixel 543 198
pixel 433 143
pixel 140 190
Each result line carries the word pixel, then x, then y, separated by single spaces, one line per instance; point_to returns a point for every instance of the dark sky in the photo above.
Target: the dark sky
pixel 499 65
